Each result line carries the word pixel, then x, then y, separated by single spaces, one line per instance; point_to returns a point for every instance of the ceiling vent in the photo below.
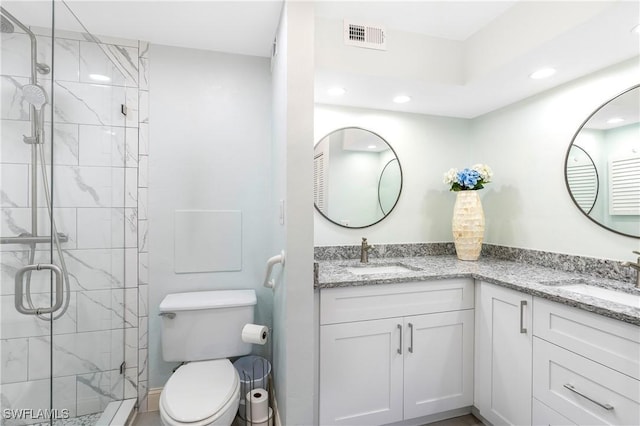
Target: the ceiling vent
pixel 364 35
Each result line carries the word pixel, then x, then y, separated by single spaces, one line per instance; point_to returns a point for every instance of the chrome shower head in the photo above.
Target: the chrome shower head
pixel 35 95
pixel 5 25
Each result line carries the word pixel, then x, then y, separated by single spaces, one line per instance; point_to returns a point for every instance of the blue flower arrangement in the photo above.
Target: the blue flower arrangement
pixel 469 179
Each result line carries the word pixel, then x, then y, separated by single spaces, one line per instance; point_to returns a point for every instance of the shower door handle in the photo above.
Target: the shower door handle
pixel 19 290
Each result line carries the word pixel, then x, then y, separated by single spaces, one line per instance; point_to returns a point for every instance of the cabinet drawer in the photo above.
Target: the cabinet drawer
pixel 545 416
pixel 613 343
pixel 594 387
pixel 394 300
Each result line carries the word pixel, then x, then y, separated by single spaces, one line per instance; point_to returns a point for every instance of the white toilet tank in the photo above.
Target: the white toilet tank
pixel 204 325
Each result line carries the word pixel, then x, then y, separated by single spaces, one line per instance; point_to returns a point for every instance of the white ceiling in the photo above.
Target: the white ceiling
pixel 484 49
pixel 238 26
pixel 487 65
pixel 453 20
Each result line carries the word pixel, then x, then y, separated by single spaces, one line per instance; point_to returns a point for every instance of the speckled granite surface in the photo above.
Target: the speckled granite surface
pixel 598 268
pixel 381 251
pixel 531 279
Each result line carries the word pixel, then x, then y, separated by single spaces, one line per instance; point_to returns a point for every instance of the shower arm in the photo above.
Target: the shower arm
pixel 34 121
pixel 34 43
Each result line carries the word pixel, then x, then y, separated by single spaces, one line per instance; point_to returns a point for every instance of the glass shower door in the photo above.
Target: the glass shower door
pixel 65 220
pixel 28 277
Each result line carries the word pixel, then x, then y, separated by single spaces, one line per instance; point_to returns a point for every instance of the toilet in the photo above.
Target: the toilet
pixel 203 328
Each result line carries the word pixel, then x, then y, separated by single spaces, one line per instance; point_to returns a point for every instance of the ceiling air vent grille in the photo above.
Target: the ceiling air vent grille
pixel 364 35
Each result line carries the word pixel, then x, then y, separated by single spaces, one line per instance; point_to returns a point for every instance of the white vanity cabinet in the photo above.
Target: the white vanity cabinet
pixel 503 354
pixel 395 352
pixel 586 367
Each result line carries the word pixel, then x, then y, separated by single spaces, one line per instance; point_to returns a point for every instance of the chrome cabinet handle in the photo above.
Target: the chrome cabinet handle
pixel 400 347
pixel 523 303
pixel 19 290
pixel 607 407
pixel 411 338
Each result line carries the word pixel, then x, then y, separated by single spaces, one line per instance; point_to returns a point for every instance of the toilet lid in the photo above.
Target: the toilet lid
pixel 199 390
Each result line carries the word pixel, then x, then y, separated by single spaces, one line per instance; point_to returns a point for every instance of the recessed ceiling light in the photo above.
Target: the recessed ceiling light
pixel 542 73
pixel 337 91
pixel 372 147
pixel 615 120
pixel 99 77
pixel 401 99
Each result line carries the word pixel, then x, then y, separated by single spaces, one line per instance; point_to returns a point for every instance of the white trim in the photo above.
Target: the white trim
pixel 153 399
pixel 118 413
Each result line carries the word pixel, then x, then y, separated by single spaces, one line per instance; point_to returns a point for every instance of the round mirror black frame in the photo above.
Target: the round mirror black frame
pixel 566 159
pixel 399 191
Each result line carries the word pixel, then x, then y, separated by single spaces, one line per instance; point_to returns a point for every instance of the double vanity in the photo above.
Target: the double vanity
pixel 417 336
pixel 416 339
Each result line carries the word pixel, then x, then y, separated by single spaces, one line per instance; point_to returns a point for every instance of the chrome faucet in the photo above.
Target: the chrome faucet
pixel 635 266
pixel 364 251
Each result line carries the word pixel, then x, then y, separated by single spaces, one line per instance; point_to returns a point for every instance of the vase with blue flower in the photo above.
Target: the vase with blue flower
pixel 467 223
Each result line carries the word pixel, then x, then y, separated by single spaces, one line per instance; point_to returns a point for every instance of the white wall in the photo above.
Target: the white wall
pixel 211 127
pixel 293 183
pixel 528 205
pixel 427 146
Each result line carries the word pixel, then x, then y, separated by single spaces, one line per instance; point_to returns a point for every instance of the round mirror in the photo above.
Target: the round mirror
pixel 602 165
pixel 357 177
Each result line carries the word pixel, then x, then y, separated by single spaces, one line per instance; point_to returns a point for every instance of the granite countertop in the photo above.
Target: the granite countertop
pixel 535 280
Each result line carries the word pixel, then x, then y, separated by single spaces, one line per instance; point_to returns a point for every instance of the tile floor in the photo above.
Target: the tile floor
pixel 468 420
pixel 152 418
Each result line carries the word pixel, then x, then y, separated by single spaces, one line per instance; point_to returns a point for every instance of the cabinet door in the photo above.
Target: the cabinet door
pixel 361 372
pixel 503 355
pixel 438 363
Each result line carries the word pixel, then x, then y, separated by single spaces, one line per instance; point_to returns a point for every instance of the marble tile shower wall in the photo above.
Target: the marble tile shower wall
pixel 100 192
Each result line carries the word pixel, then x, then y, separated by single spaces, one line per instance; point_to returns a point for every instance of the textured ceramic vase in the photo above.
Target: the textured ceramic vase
pixel 468 225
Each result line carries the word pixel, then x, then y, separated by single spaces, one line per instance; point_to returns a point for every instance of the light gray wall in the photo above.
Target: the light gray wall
pixel 293 326
pixel 528 205
pixel 211 129
pixel 427 146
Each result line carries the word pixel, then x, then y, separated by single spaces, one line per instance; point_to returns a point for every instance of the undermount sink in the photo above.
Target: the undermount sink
pixel 603 293
pixel 382 268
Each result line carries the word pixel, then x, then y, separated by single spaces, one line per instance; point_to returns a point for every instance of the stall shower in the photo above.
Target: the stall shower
pixel 72 319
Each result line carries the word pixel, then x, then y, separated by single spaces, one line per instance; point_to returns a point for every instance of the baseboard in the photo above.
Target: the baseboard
pixel 476 413
pixel 153 399
pixel 434 417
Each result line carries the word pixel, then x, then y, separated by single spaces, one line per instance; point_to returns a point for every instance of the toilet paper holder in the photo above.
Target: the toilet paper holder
pixel 255 375
pixel 268 281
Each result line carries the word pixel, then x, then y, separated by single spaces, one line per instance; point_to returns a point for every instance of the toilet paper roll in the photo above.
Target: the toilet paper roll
pixel 258 405
pixel 267 422
pixel 255 333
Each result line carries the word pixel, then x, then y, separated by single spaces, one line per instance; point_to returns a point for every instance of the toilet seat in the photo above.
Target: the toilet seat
pixel 200 393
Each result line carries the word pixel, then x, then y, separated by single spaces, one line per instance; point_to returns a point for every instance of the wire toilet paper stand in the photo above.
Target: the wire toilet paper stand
pixel 256 380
